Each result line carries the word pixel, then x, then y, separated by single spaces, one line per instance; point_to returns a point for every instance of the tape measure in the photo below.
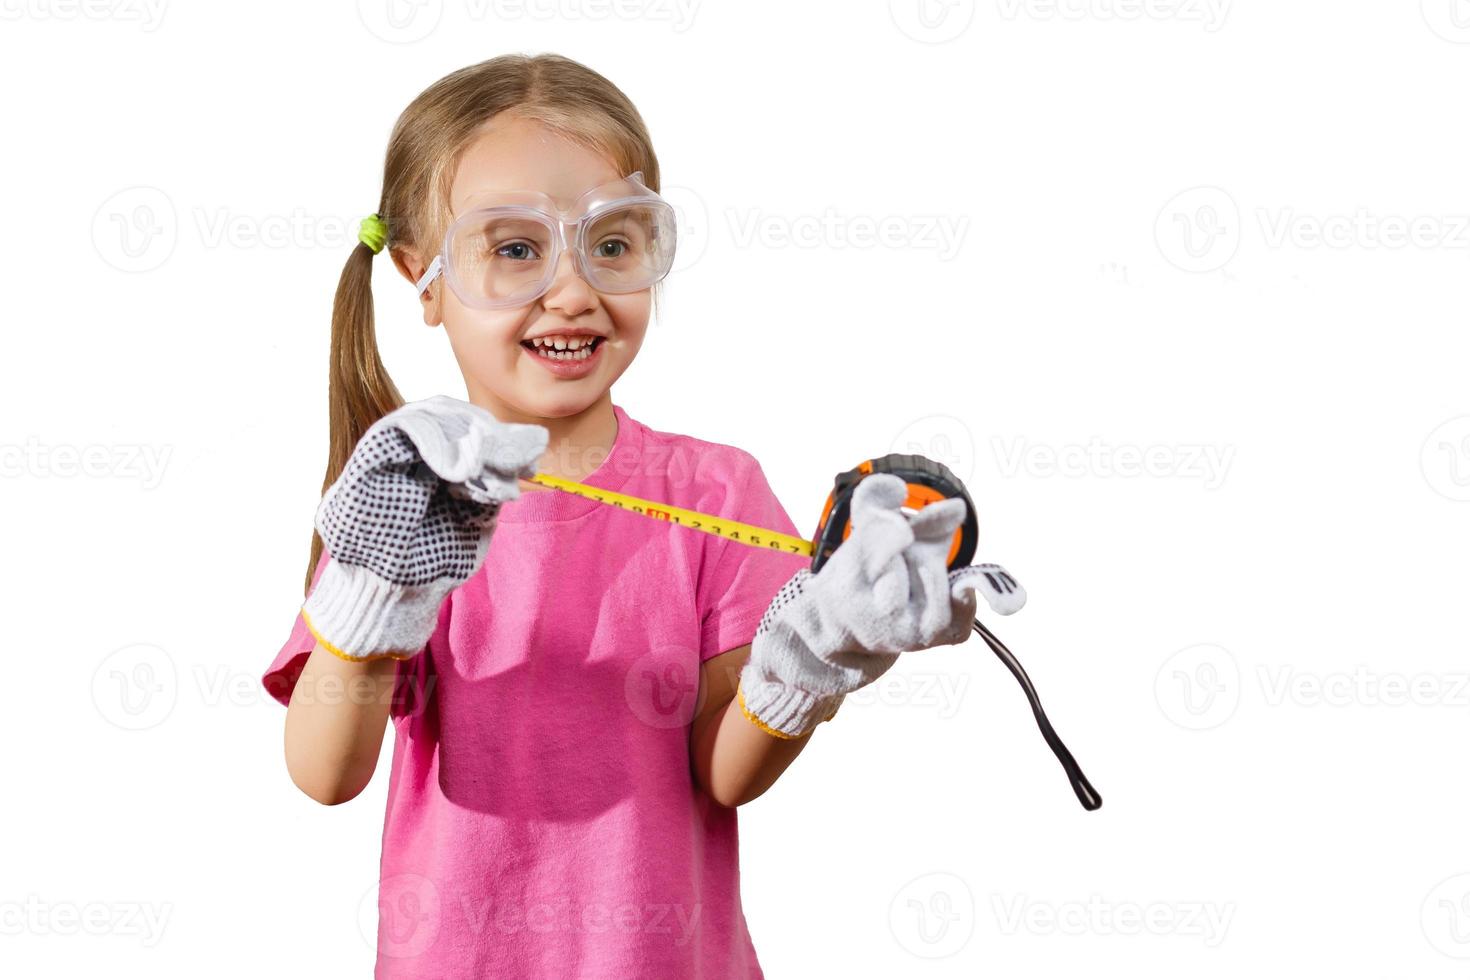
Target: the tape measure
pixel 927 481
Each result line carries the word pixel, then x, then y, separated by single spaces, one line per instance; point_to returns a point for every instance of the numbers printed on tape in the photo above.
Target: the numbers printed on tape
pixel 747 534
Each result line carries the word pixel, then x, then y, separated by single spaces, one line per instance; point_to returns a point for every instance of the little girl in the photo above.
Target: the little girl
pixel 579 708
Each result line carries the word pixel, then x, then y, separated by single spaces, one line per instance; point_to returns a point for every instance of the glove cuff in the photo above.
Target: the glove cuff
pixel 359 616
pixel 781 710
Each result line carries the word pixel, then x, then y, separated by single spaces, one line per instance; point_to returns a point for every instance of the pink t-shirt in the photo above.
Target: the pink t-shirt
pixel 543 819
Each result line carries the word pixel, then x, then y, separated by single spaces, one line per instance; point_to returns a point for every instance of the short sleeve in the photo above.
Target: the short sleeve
pixel 739 581
pixel 280 678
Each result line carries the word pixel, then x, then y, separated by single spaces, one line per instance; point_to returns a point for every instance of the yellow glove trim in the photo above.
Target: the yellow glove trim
pixel 740 697
pixel 330 648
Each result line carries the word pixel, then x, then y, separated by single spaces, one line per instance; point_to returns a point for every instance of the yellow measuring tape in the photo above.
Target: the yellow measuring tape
pixel 747 534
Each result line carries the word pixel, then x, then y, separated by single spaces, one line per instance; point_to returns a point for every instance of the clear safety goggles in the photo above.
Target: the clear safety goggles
pixel 505 252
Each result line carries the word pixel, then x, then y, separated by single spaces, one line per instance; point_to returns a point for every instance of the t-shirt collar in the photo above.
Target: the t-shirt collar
pixel 540 506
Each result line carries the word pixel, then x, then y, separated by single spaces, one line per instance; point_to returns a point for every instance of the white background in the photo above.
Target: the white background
pixel 1196 341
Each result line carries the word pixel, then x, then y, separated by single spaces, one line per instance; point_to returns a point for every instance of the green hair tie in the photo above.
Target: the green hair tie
pixel 373 232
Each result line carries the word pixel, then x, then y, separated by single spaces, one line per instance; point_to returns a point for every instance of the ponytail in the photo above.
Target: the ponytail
pixel 359 391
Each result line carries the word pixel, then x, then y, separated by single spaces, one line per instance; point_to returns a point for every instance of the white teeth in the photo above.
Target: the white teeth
pixel 564 348
pixel 563 343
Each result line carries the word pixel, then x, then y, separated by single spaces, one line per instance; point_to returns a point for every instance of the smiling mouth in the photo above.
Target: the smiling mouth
pixel 551 353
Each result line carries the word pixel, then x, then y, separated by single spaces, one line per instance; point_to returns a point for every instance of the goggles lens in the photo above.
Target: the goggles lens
pixel 500 256
pixel 506 255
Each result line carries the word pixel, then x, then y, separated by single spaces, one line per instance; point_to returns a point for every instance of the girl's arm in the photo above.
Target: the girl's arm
pixel 335 724
pixel 733 760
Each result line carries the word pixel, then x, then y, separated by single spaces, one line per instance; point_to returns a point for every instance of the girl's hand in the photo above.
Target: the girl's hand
pixel 409 520
pixel 886 590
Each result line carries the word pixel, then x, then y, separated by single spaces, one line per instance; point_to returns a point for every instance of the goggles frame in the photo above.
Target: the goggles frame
pixel 569 228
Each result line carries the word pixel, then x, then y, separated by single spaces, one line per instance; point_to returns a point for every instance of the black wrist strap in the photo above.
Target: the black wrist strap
pixel 1085 793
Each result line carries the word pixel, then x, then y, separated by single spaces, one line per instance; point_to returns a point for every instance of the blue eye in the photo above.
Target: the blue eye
pixel 522 251
pixel 602 252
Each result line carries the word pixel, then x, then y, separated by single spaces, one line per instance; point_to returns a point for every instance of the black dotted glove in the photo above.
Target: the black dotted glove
pixel 410 519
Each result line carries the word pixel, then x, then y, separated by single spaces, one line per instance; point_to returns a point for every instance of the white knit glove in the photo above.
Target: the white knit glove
pixel 410 519
pixel 885 590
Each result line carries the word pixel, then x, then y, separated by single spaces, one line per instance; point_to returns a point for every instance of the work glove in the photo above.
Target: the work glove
pixel 885 590
pixel 409 520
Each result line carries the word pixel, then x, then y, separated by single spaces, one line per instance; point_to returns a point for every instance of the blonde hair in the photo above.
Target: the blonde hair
pixel 423 151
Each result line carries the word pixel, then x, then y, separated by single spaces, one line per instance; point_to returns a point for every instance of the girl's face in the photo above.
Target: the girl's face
pixel 501 370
